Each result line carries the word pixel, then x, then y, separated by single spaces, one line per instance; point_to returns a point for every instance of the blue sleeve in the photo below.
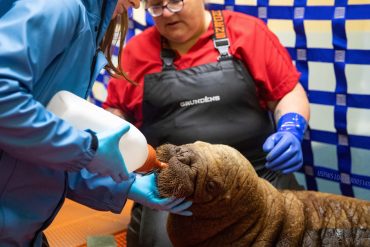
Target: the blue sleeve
pixel 100 193
pixel 32 35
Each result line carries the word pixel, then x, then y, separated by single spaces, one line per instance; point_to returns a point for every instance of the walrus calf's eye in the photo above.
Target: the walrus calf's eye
pixel 211 186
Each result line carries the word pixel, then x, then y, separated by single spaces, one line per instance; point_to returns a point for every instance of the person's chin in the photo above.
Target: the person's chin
pixel 179 39
pixel 175 34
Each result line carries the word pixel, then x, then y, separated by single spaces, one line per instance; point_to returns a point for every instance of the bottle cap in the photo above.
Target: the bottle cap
pixel 151 162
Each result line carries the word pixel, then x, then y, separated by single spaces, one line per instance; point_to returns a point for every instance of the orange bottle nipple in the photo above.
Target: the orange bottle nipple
pixel 151 162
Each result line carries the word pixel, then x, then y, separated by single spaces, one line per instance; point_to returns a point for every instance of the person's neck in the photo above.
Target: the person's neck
pixel 184 47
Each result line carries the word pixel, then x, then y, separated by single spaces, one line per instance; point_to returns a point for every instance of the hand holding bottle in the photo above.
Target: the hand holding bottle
pixel 108 160
pixel 84 115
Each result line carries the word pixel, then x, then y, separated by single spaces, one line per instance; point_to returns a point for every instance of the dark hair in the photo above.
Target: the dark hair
pixel 107 46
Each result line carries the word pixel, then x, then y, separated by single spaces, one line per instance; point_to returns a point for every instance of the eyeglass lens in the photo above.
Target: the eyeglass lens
pixel 172 5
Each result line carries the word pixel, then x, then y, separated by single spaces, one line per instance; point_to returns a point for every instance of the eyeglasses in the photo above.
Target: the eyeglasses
pixel 173 6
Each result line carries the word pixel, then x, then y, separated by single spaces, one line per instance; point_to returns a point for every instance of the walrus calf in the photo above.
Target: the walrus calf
pixel 232 206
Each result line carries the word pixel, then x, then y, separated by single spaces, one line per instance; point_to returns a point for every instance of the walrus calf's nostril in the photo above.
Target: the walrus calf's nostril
pixel 183 155
pixel 185 159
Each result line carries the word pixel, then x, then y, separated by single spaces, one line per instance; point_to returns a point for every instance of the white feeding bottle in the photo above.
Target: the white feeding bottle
pixel 138 155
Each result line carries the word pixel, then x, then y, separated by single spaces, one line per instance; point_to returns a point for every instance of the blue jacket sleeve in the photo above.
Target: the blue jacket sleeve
pixel 100 193
pixel 30 39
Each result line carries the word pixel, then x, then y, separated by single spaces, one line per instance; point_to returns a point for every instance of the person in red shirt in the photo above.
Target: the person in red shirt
pixel 216 76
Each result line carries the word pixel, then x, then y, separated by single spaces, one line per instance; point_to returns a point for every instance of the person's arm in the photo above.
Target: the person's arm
pixel 276 81
pixel 102 193
pixel 294 101
pixel 291 114
pixel 30 40
pixel 32 36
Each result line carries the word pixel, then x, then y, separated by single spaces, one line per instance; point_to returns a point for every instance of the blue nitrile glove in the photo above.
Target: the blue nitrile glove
pixel 108 160
pixel 284 147
pixel 144 191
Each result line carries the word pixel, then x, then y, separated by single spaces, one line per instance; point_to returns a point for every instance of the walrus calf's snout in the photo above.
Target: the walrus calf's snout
pixel 177 180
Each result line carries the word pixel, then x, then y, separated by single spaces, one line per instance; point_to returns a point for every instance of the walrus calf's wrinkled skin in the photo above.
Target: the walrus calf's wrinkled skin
pixel 232 206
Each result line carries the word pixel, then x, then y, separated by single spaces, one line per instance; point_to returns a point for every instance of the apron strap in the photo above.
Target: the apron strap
pixel 220 39
pixel 167 56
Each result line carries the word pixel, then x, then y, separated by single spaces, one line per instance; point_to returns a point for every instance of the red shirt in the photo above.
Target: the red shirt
pixel 250 41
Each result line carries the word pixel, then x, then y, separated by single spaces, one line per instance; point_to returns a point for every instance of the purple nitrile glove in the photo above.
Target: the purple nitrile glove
pixel 284 147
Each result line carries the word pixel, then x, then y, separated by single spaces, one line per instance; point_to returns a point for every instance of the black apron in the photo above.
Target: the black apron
pixel 215 103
